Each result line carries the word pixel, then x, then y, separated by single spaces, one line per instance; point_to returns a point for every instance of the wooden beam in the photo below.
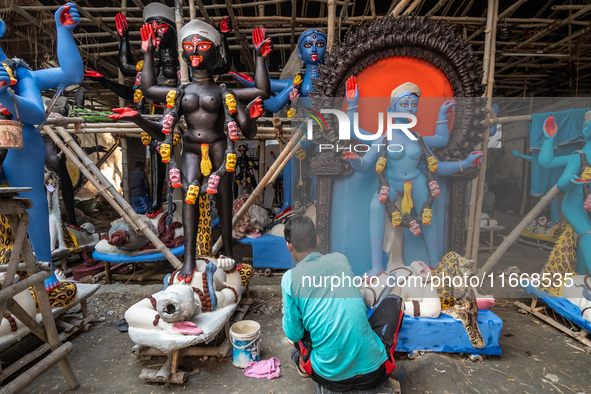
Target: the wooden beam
pixel 139 4
pixel 473 239
pixel 293 23
pixel 98 23
pixel 554 26
pixel 244 50
pixel 400 7
pixel 436 8
pixel 204 13
pixel 332 13
pixel 18 9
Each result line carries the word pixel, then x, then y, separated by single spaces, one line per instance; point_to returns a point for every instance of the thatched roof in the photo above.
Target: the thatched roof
pixel 542 46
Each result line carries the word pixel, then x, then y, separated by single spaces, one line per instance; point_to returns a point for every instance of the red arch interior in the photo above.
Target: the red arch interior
pixel 377 81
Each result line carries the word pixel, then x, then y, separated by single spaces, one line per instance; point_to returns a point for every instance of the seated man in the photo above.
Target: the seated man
pixel 139 189
pixel 336 345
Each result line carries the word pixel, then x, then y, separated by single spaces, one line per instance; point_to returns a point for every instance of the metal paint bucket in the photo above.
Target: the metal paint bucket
pixel 246 346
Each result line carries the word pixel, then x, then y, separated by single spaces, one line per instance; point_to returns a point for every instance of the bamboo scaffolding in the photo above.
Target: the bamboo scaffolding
pixel 473 233
pixel 120 200
pixel 88 168
pixel 510 239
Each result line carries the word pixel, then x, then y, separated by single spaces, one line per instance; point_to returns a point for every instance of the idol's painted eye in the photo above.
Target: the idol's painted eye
pixel 188 47
pixel 320 44
pixel 203 47
pixel 308 45
pixel 404 105
pixel 415 104
pixel 162 30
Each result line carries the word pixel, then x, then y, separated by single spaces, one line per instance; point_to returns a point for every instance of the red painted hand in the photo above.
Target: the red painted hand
pixel 93 74
pixel 351 87
pixel 263 46
pixel 226 25
pixel 478 155
pixel 258 36
pixel 550 127
pixel 121 24
pixel 256 108
pixel 350 156
pixel 66 18
pixel 122 113
pixel 148 38
pixel 243 76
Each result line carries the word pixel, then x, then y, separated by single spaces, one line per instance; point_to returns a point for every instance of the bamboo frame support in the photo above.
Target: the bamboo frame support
pixel 26 378
pixel 125 169
pixel 332 11
pixel 48 323
pixel 473 238
pixel 553 323
pixel 399 7
pixel 88 168
pixel 81 167
pixel 508 241
pixel 289 150
pixel 143 227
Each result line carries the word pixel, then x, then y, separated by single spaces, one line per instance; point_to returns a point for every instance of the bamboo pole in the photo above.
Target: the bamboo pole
pixel 26 378
pixel 120 77
pixel 526 165
pixel 125 169
pixel 399 7
pixel 508 241
pixel 192 12
pixel 90 177
pixel 436 8
pixel 203 11
pixel 294 12
pixel 508 12
pixel 133 217
pixel 554 323
pixel 482 167
pixel 412 7
pixel 290 150
pixel 48 323
pixel 554 26
pixel 178 16
pixel 332 12
pixel 473 238
pixel 262 157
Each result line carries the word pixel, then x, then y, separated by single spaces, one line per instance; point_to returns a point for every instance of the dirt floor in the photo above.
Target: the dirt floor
pixel 537 358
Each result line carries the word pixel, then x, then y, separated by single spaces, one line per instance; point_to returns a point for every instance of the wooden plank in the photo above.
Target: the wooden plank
pixel 46 313
pixel 26 319
pixel 26 378
pixel 554 324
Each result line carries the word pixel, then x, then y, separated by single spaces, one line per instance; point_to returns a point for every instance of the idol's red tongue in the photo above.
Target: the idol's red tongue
pixel 314 57
pixel 195 61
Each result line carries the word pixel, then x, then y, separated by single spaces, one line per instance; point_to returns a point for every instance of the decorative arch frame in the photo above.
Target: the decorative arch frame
pixel 414 37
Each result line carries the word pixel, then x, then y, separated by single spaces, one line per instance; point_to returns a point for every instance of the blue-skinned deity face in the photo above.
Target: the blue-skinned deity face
pixel 408 104
pixel 312 46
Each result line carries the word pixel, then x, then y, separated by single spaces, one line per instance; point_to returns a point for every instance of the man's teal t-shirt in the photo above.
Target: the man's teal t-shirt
pixel 343 342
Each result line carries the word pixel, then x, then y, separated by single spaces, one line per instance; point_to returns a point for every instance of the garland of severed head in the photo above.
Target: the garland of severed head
pixel 396 216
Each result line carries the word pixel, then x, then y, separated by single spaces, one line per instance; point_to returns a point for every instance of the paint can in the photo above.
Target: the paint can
pixel 246 346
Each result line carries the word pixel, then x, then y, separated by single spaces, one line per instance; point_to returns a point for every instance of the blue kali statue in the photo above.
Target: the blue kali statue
pixel 25 167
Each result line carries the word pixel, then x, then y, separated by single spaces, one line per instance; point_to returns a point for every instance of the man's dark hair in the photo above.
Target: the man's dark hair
pixel 301 233
pixel 139 164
